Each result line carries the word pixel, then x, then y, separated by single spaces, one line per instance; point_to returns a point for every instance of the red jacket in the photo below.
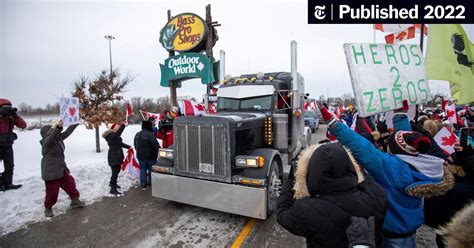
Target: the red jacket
pixel 166 135
pixel 7 124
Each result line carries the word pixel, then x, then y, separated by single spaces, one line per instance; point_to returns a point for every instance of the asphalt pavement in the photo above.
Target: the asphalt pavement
pixel 139 220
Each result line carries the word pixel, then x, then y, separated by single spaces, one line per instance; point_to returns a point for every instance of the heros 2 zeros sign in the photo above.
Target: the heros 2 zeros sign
pixel 384 75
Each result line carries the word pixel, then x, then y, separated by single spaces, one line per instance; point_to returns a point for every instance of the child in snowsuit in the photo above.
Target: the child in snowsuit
pixel 53 167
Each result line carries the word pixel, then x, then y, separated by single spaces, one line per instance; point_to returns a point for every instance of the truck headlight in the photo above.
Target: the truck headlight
pixel 165 153
pixel 249 161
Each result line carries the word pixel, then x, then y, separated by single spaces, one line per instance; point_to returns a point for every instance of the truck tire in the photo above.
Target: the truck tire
pixel 273 188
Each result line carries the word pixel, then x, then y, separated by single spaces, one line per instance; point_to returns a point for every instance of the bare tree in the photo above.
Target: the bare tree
pixel 97 96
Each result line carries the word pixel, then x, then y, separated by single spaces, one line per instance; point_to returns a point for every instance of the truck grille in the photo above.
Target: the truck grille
pixel 201 151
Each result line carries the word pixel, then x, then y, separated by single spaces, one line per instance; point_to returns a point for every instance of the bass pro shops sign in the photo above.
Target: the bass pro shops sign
pixel 186 32
pixel 187 66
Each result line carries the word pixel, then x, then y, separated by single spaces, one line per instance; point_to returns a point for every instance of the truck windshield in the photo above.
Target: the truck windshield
pixel 254 103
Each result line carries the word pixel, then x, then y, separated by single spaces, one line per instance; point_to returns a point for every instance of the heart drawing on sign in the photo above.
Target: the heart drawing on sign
pixel 72 110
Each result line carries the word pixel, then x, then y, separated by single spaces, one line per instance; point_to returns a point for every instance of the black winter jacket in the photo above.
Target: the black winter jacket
pixel 327 194
pixel 114 140
pixel 146 143
pixel 53 164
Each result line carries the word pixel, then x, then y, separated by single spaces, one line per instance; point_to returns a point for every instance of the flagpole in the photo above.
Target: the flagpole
pixel 373 29
pixel 422 36
pixel 143 117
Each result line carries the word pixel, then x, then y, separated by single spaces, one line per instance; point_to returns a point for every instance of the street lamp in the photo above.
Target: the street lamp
pixel 110 38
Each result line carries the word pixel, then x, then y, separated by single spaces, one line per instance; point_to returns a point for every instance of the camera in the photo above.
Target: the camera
pixel 8 110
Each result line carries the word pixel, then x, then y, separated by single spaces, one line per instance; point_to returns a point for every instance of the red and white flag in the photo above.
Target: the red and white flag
pixel 450 111
pixel 147 115
pixel 190 108
pixel 395 28
pixel 130 164
pixel 397 37
pixel 446 139
pixel 128 112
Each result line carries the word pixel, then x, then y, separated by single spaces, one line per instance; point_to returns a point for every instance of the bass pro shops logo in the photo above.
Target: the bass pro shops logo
pixel 319 12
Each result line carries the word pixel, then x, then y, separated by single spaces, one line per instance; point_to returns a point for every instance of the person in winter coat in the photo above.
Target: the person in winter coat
pixel 8 120
pixel 439 210
pixel 458 232
pixel 165 133
pixel 53 167
pixel 406 175
pixel 329 189
pixel 147 147
pixel 115 155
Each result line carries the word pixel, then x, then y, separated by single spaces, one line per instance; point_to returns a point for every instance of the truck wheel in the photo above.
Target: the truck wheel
pixel 273 188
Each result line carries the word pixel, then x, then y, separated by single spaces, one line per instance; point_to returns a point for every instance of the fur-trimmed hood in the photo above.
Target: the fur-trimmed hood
pixel 458 233
pixel 322 168
pixel 107 133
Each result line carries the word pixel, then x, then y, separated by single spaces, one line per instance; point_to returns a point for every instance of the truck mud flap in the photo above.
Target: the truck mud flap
pixel 229 198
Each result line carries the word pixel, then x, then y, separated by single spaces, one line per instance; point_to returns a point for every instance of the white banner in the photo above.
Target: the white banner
pixel 69 110
pixel 383 75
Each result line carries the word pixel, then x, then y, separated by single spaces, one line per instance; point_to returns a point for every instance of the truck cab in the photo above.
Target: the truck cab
pixel 234 160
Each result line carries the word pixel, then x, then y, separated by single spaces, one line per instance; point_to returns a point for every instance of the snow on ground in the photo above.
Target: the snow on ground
pixel 90 169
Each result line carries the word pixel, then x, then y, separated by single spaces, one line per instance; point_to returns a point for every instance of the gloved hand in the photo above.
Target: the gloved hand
pixel 382 127
pixel 361 231
pixel 58 124
pixel 403 109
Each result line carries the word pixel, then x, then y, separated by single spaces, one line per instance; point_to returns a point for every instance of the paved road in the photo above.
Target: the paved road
pixel 140 220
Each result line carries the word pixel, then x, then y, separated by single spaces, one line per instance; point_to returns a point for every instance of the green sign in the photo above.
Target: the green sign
pixel 186 66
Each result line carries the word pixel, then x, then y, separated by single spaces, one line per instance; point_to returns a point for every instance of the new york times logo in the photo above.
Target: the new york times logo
pixel 389 11
pixel 319 12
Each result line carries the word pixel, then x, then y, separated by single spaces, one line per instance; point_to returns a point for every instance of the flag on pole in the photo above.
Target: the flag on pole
pixel 397 37
pixel 147 115
pixel 395 28
pixel 130 164
pixel 446 139
pixel 128 112
pixel 450 57
pixel 450 111
pixel 190 108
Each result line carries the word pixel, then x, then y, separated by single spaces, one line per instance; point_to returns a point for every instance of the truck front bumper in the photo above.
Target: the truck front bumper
pixel 229 198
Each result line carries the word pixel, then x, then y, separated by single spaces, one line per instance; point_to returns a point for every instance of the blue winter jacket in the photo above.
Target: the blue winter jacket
pixel 405 212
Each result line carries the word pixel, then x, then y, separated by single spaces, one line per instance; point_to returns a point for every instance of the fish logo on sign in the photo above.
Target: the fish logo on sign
pixel 319 12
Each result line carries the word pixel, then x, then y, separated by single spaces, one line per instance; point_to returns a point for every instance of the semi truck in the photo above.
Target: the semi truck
pixel 234 160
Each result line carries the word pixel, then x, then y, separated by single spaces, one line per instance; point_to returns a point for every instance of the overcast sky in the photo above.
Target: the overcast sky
pixel 46 45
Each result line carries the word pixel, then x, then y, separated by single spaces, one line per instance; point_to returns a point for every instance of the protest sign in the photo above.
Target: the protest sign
pixel 383 75
pixel 69 110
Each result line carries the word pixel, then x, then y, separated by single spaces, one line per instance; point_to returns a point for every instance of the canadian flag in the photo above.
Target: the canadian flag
pixel 306 106
pixel 147 115
pixel 446 139
pixel 212 108
pixel 130 164
pixel 451 113
pixel 354 121
pixel 310 105
pixel 339 111
pixel 128 112
pixel 190 108
pixel 462 112
pixel 406 34
pixel 395 28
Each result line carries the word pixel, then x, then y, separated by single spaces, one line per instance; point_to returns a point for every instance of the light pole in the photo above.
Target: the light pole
pixel 110 38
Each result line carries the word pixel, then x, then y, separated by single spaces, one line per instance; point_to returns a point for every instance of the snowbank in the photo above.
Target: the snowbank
pixel 90 169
